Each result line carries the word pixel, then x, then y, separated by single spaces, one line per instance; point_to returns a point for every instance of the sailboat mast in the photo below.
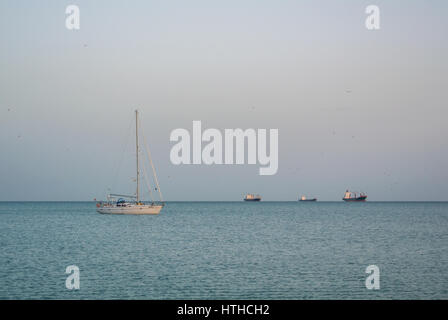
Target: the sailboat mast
pixel 136 148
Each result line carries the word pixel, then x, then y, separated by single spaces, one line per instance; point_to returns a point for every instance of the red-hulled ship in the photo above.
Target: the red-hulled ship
pixel 354 197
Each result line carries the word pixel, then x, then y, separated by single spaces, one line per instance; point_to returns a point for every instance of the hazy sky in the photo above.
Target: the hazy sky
pixel 358 109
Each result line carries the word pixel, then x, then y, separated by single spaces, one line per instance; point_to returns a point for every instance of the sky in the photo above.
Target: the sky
pixel 357 109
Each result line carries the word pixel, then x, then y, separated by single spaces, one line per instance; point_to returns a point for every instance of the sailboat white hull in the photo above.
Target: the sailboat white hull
pixel 137 209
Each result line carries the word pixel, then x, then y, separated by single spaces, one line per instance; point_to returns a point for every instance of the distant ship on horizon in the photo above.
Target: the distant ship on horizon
pixel 252 197
pixel 303 198
pixel 354 197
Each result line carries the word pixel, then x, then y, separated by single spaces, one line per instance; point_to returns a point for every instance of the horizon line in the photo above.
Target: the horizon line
pixel 242 201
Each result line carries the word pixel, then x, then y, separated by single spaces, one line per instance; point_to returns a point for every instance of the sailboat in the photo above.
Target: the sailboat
pixel 132 204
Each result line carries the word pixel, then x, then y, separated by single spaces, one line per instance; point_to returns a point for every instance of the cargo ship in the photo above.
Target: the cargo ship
pixel 354 197
pixel 303 198
pixel 251 197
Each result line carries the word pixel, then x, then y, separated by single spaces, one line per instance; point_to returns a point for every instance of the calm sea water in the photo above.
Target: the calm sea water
pixel 225 250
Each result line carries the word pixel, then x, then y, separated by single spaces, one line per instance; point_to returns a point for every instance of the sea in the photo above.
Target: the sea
pixel 226 250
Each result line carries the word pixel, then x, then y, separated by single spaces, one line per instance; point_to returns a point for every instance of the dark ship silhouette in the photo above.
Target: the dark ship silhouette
pixel 303 198
pixel 354 197
pixel 251 197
